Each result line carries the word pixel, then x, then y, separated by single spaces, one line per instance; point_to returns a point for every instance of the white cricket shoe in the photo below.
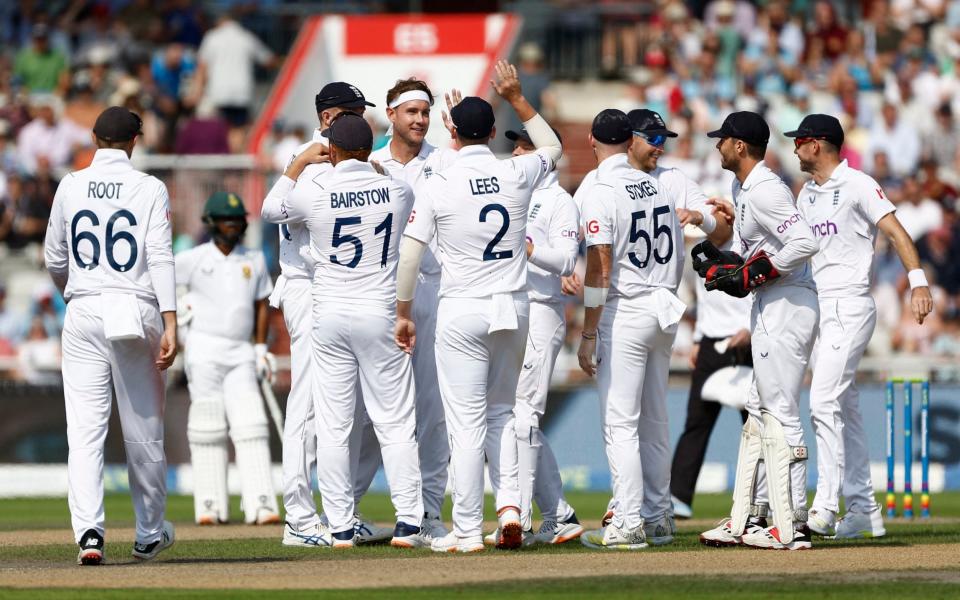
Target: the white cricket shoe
pixel 612 537
pixel 151 550
pixel 311 536
pixel 510 533
pixel 409 536
pixel 558 532
pixel 769 538
pixel 266 516
pixel 453 543
pixel 493 539
pixel 681 509
pixel 368 532
pixel 661 531
pixel 821 521
pixel 722 535
pixel 433 526
pixel 861 525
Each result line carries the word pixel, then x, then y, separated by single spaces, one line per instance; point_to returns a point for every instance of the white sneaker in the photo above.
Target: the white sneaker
pixel 452 543
pixel 311 536
pixel 861 525
pixel 612 537
pixel 661 531
pixel 493 539
pixel 266 516
pixel 681 509
pixel 769 538
pixel 433 526
pixel 151 550
pixel 367 532
pixel 559 532
pixel 722 536
pixel 510 531
pixel 409 536
pixel 821 521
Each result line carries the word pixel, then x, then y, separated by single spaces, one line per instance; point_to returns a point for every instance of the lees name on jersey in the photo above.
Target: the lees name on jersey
pixel 355 199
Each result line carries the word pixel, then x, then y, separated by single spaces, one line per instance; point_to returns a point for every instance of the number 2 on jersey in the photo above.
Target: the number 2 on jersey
pixel 385 227
pixel 489 253
pixel 637 233
pixel 112 238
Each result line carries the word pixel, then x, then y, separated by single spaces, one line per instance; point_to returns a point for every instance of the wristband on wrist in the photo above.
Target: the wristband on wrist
pixel 917 278
pixel 709 223
pixel 588 336
pixel 594 296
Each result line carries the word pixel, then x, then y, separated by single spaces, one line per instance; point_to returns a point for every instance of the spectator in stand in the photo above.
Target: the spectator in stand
pixel 49 135
pixel 740 15
pixel 897 139
pixel 938 252
pixel 228 55
pixel 917 213
pixel 826 31
pixel 40 355
pixel 28 205
pixel 82 106
pixel 941 144
pixel 10 322
pixel 9 160
pixel 882 35
pixel 205 133
pixel 184 22
pixel 729 34
pixel 172 68
pixel 39 67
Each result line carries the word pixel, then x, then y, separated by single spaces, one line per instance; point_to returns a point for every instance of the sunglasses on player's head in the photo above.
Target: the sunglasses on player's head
pixel 653 140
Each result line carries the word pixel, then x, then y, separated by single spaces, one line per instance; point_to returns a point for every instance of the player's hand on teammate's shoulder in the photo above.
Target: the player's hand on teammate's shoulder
pixel 571 286
pixel 723 209
pixel 377 167
pixel 316 153
pixel 587 353
pixel 507 82
pixel 452 99
pixel 921 302
pixel 405 334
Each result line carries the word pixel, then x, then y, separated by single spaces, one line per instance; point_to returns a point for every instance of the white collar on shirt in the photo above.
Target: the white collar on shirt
pixel 611 162
pixel 111 157
pixel 759 174
pixel 352 165
pixel 425 150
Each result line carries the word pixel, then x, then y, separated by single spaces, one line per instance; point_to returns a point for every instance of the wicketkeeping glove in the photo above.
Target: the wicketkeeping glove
pixel 739 281
pixel 705 255
pixel 266 363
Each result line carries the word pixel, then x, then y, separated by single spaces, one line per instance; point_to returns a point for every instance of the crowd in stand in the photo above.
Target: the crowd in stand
pixel 890 69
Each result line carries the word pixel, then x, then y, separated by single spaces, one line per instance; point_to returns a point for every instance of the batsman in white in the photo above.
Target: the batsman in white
pixel 776 245
pixel 846 208
pixel 477 211
pixel 634 263
pixel 226 290
pixel 552 244
pixel 109 252
pixel 410 158
pixel 355 218
pixel 293 296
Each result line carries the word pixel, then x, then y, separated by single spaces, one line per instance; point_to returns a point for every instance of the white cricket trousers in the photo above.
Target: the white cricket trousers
pixel 783 320
pixel 843 461
pixel 299 428
pixel 352 346
pixel 478 372
pixel 92 365
pixel 633 364
pixel 539 474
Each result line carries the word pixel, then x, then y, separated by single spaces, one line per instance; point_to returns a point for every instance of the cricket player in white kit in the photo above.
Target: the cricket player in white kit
pixel 552 244
pixel 292 294
pixel 634 263
pixel 477 210
pixel 227 286
pixel 410 158
pixel 108 250
pixel 776 244
pixel 355 217
pixel 846 207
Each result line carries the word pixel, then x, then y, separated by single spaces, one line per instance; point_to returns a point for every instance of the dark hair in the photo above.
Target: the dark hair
pixel 471 142
pixel 361 155
pixel 407 85
pixel 756 151
pixel 833 148
pixel 104 144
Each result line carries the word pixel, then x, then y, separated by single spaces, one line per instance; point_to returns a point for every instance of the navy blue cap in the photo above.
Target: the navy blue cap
pixel 819 126
pixel 744 125
pixel 611 126
pixel 350 131
pixel 340 94
pixel 117 124
pixel 649 122
pixel 473 118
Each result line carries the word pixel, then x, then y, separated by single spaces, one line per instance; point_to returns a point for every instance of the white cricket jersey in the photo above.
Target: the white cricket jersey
pixel 477 209
pixel 295 258
pixel 843 214
pixel 355 217
pixel 584 190
pixel 686 193
pixel 552 225
pixel 222 288
pixel 109 231
pixel 767 219
pixel 429 161
pixel 628 210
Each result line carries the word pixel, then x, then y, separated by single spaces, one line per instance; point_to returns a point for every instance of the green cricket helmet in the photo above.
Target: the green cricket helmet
pixel 224 205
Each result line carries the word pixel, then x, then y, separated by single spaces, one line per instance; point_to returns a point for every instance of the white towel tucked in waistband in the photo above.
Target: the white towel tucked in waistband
pixel 503 313
pixel 277 292
pixel 669 309
pixel 121 317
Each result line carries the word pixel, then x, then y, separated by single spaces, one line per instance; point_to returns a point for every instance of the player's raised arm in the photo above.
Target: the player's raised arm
pixel 507 85
pixel 278 206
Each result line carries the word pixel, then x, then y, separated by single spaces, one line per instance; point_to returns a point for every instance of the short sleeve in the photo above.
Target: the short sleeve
pixel 422 222
pixel 872 202
pixel 597 216
pixel 532 167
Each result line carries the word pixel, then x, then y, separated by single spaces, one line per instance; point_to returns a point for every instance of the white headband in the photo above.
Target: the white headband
pixel 411 95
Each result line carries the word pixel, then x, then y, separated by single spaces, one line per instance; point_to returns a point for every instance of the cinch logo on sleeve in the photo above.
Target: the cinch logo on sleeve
pixel 794 218
pixel 570 234
pixel 593 226
pixel 824 229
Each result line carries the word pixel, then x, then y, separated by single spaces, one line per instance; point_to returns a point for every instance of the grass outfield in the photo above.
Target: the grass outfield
pixel 258 549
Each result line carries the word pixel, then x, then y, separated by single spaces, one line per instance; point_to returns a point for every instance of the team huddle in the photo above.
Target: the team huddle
pixel 423 290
